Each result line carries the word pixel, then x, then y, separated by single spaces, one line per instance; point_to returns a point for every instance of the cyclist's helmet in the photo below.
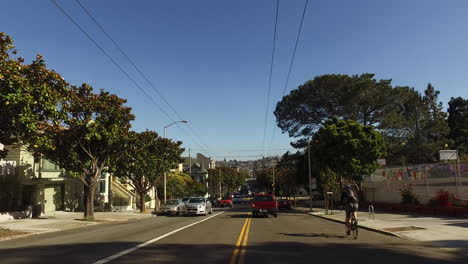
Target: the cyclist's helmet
pixel 347 187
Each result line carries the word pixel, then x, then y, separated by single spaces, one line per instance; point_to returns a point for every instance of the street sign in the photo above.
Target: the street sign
pixel 448 154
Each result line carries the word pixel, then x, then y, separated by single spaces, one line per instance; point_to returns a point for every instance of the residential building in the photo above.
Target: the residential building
pixel 34 186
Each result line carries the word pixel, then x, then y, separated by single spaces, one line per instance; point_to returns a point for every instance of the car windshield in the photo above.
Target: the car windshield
pixel 185 199
pixel 263 198
pixel 196 200
pixel 226 198
pixel 172 202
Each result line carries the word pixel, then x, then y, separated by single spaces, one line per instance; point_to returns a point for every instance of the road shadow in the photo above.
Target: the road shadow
pixel 239 215
pixel 312 235
pixel 168 251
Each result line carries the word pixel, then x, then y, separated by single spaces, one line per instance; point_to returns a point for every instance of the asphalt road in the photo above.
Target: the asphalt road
pixel 230 237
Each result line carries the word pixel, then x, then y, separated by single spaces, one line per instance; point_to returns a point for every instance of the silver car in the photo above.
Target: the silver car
pixel 172 207
pixel 198 206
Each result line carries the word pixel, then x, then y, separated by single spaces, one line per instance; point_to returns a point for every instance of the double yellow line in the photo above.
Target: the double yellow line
pixel 242 242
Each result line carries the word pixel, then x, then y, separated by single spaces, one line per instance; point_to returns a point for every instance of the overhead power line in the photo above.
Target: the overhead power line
pixel 137 68
pixel 116 64
pixel 292 60
pixel 271 73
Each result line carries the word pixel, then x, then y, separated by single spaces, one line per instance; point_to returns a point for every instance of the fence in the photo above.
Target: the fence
pixel 384 184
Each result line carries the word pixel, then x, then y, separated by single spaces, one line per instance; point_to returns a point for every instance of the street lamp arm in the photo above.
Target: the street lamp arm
pixel 180 121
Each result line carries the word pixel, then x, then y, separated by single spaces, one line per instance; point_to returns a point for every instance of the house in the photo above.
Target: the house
pixel 195 169
pixel 34 186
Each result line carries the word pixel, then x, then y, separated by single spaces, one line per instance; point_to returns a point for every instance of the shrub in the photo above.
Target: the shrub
pixel 442 198
pixel 407 195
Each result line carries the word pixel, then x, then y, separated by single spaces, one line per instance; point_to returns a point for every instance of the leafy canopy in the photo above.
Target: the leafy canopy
pixel 348 148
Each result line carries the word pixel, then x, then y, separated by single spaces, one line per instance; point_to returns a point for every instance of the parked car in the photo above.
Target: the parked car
pixel 226 201
pixel 172 207
pixel 214 202
pixel 185 199
pixel 264 204
pixel 237 199
pixel 198 206
pixel 282 203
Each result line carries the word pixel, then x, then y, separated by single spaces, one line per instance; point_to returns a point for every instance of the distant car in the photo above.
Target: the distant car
pixel 284 204
pixel 172 207
pixel 226 201
pixel 264 204
pixel 214 201
pixel 237 199
pixel 198 206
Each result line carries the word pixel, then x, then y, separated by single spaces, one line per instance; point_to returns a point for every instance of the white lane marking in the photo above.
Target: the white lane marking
pixel 102 261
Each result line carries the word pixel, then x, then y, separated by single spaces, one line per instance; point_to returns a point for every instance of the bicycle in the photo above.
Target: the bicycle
pixel 354 227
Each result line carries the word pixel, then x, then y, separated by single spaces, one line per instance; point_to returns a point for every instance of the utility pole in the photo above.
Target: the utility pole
pixel 220 191
pixel 190 163
pixel 310 180
pixel 274 186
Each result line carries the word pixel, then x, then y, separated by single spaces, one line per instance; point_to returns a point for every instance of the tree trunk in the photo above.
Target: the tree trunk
pixel 142 202
pixel 156 206
pixel 89 191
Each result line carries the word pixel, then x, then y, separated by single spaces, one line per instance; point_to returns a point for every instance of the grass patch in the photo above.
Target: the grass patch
pixel 4 232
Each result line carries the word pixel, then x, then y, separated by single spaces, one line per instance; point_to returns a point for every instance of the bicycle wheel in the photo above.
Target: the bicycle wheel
pixel 354 228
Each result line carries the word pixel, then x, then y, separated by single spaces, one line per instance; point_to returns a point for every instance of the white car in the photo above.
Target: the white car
pixel 198 206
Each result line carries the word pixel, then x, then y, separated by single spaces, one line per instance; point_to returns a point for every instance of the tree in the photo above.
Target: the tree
pixel 347 148
pixel 416 132
pixel 30 96
pixel 358 97
pixel 265 178
pixel 145 159
pixel 195 188
pixel 458 122
pixel 287 173
pixel 87 137
pixel 177 185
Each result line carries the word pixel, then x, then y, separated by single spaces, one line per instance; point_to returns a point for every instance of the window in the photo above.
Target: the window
pixel 49 166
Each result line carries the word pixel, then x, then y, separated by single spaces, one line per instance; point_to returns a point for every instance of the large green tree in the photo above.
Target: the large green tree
pixel 458 122
pixel 358 97
pixel 347 148
pixel 30 97
pixel 145 159
pixel 88 137
pixel 417 130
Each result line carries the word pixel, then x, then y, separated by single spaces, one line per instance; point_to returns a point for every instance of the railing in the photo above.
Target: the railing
pixel 371 212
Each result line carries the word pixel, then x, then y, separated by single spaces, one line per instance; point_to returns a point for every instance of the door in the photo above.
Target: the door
pixel 53 198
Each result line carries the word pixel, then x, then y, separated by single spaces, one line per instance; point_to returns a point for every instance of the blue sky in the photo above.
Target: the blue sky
pixel 211 59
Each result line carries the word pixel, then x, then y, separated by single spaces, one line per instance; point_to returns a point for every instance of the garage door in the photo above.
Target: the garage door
pixel 52 198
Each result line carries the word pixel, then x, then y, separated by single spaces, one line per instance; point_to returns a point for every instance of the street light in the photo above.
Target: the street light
pixel 165 180
pixel 180 121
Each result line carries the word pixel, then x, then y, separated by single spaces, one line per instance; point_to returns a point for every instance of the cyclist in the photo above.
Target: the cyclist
pixel 351 205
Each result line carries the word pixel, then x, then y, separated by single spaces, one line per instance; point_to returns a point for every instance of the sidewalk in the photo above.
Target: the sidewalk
pixel 443 232
pixel 60 220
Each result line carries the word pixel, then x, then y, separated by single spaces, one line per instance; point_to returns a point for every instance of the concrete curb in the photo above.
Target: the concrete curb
pixel 360 226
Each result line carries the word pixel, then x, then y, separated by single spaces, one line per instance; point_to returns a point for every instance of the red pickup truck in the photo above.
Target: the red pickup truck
pixel 264 204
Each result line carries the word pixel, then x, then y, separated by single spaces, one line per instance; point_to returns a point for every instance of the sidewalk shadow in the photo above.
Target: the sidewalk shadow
pixel 461 224
pixel 312 235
